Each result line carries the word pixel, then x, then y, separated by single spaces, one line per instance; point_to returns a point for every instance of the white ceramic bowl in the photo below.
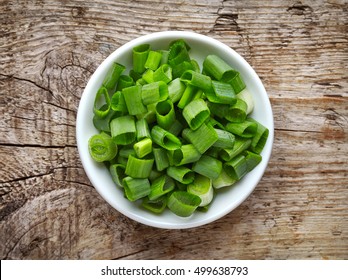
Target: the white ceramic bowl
pixel 227 199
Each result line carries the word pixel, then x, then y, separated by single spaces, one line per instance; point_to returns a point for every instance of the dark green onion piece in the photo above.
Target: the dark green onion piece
pixel 154 92
pixel 138 168
pixel 153 60
pixel 143 147
pixel 163 73
pixel 123 130
pixel 237 83
pixel 103 124
pixel 178 53
pixel 237 167
pixel 202 138
pixel 132 96
pixel 118 103
pixel 114 73
pixel 217 68
pixel 225 139
pixel 102 98
pixel 124 81
pixel 240 145
pixel 222 93
pixel 202 187
pixel 181 174
pixel 161 186
pixel 185 154
pixel 187 96
pixel 178 70
pixel 196 79
pixel 136 188
pixel 165 113
pixel 161 158
pixel 156 206
pixel 246 129
pixel 237 112
pixel 101 147
pixel 195 65
pixel 182 203
pixel 140 54
pixel 208 166
pixel 117 172
pixel 164 58
pixel 252 160
pixel 259 140
pixel 164 138
pixel 196 113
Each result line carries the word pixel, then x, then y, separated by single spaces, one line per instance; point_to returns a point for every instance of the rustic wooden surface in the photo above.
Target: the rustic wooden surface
pixel 48 207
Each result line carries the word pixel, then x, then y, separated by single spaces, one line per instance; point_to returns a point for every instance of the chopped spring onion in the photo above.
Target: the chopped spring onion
pixel 196 113
pixel 124 82
pixel 153 60
pixel 239 146
pixel 183 203
pixel 237 167
pixel 246 96
pixel 143 147
pixel 237 112
pixel 196 79
pixel 202 187
pixel 111 78
pixel 218 68
pixel 156 206
pixel 101 98
pixel 123 130
pixel 252 160
pixel 208 166
pixel 223 180
pixel 142 129
pixel 132 96
pixel 222 93
pixel 163 73
pixel 161 186
pixel 138 168
pixel 140 54
pixel 176 89
pixel 161 158
pixel 225 139
pixel 118 103
pixel 184 155
pixel 101 147
pixel 259 140
pixel 181 174
pixel 117 172
pixel 164 138
pixel 246 129
pixel 136 188
pixel 165 113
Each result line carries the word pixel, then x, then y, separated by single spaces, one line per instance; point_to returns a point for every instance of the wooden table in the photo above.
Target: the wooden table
pixel 50 210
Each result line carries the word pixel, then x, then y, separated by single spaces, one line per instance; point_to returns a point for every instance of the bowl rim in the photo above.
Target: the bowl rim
pixel 171 35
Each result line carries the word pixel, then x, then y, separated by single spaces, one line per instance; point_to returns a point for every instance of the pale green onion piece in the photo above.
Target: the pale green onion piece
pixel 118 103
pixel 136 188
pixel 156 206
pixel 208 166
pixel 252 160
pixel 176 89
pixel 148 76
pixel 259 140
pixel 202 187
pixel 132 96
pixel 218 68
pixel 101 147
pixel 187 96
pixel 143 147
pixel 225 139
pixel 163 73
pixel 123 130
pixel 124 81
pixel 182 203
pixel 161 186
pixel 196 113
pixel 197 79
pixel 117 172
pixel 165 114
pixel 180 173
pixel 222 93
pixel 236 167
pixel 140 82
pixel 153 60
pixel 185 154
pixel 164 138
pixel 237 112
pixel 138 168
pixel 140 54
pixel 224 180
pixel 246 96
pixel 102 98
pixel 114 73
pixel 202 138
pixel 246 129
pixel 142 129
pixel 161 158
pixel 240 145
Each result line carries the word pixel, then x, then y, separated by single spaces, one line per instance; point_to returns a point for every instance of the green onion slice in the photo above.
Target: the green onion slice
pixel 161 186
pixel 208 166
pixel 101 147
pixel 182 203
pixel 164 138
pixel 181 174
pixel 136 188
pixel 123 130
pixel 196 113
pixel 202 187
pixel 102 97
pixel 138 168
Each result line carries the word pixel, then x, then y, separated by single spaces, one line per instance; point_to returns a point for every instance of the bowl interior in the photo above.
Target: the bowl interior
pixel 228 198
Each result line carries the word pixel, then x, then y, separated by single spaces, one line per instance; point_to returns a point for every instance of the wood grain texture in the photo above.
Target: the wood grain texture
pixel 50 48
